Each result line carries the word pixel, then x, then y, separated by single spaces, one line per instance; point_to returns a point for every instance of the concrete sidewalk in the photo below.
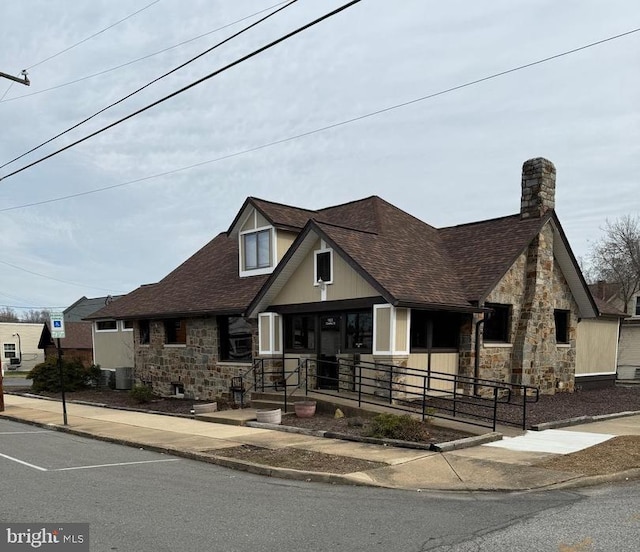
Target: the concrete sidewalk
pixel 479 468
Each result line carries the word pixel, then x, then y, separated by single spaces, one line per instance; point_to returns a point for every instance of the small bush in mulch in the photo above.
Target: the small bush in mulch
pixel 403 427
pixel 141 394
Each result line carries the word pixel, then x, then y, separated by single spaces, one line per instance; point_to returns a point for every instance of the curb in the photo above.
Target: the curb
pixel 437 447
pixel 583 420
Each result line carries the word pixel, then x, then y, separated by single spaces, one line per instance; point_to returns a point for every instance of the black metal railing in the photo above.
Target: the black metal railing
pixel 269 374
pixel 471 400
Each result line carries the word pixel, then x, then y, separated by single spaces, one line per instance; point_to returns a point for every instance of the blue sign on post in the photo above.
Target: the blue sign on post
pixel 57 325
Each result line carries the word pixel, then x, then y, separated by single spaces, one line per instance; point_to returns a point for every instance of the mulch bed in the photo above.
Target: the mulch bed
pixel 298 459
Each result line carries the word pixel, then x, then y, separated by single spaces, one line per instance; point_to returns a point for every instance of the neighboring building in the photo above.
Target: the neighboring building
pixel 104 342
pixel 19 345
pixel 628 361
pixel 366 282
pixel 76 345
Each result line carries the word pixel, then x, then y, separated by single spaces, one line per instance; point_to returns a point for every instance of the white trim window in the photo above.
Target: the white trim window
pixel 126 325
pixel 323 266
pixel 106 326
pixel 256 251
pixel 9 350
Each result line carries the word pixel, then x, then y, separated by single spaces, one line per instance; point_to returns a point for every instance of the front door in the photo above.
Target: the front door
pixel 328 351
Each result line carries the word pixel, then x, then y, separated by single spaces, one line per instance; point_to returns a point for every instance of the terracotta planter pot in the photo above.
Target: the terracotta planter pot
pixel 305 409
pixel 269 416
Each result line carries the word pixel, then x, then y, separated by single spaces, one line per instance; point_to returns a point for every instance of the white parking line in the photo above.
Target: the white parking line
pixel 24 432
pixel 23 462
pixel 117 464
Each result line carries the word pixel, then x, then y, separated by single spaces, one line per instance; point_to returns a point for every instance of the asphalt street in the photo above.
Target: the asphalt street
pixel 145 501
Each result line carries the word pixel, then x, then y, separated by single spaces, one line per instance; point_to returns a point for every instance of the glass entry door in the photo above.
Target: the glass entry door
pixel 328 351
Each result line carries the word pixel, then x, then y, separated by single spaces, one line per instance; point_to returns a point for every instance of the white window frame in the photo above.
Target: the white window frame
pixel 275 346
pixel 123 329
pixel 98 330
pixel 323 249
pixel 272 252
pixel 4 350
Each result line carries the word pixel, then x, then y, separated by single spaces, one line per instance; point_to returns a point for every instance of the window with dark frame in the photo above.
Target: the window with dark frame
pixel 561 318
pixel 638 305
pixel 358 336
pixel 144 332
pixel 434 330
pixel 175 331
pixel 257 249
pixel 323 266
pixel 106 325
pixel 127 324
pixel 300 333
pixel 497 323
pixel 236 339
pixel 9 350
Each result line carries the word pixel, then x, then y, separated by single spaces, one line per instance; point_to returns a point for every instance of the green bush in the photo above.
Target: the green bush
pixel 405 428
pixel 141 394
pixel 46 377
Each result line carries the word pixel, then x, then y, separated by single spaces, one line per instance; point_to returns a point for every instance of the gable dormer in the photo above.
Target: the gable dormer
pixel 261 243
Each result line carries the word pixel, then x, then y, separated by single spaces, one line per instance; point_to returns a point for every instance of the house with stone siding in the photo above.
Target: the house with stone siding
pixel 369 284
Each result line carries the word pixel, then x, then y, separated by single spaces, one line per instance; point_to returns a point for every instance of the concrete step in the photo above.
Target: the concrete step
pixel 263 404
pixel 230 417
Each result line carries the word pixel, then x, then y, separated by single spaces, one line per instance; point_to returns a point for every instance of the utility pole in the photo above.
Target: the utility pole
pixel 23 80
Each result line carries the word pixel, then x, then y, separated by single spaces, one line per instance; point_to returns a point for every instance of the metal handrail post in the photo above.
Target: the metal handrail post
pixel 524 408
pixel 391 384
pixel 306 377
pixel 424 396
pixel 495 406
pixel 455 397
pixel 359 385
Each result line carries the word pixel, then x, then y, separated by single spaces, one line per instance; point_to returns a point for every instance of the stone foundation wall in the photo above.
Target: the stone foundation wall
pixel 195 365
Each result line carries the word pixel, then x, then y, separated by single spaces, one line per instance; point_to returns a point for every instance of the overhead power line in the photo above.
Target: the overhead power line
pixel 323 128
pixel 80 42
pixel 57 279
pixel 126 64
pixel 207 51
pixel 93 35
pixel 188 87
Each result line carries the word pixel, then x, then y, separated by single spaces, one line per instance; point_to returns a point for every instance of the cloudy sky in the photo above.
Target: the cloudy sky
pixel 450 159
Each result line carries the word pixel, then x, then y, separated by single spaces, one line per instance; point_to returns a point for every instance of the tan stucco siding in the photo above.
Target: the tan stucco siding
pixel 629 352
pixel 445 363
pixel 402 328
pixel 113 349
pixel 265 333
pixel 284 241
pixel 382 328
pixel 596 346
pixel 300 288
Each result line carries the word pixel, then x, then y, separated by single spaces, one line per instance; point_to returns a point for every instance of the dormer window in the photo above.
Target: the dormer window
pixel 257 249
pixel 256 255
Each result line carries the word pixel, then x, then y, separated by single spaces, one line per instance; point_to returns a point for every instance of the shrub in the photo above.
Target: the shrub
pixel 141 394
pixel 46 377
pixel 405 428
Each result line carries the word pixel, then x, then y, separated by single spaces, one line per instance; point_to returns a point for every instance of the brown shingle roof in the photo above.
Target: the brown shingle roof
pixel 482 252
pixel 406 256
pixel 206 283
pixel 409 261
pixel 77 336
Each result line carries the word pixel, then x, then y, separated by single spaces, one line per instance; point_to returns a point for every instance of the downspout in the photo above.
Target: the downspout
pixel 476 362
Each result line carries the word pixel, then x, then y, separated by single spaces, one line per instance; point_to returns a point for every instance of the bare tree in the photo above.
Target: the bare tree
pixel 615 258
pixel 7 314
pixel 35 316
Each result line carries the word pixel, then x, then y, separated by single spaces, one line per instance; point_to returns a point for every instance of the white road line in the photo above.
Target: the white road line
pixel 23 432
pixel 23 462
pixel 118 464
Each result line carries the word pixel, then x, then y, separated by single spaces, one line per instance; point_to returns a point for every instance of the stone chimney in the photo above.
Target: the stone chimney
pixel 538 187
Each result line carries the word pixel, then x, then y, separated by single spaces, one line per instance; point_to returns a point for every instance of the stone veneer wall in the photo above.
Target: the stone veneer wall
pixel 534 286
pixel 195 365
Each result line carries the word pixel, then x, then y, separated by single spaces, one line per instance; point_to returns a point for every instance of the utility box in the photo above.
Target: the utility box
pixel 124 378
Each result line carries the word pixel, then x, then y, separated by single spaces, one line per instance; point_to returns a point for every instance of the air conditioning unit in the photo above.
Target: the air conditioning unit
pixel 124 378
